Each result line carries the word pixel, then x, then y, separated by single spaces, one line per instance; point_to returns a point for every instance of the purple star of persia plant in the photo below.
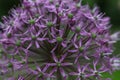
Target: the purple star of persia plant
pixel 56 40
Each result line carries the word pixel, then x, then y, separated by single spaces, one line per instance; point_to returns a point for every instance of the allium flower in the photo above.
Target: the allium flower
pixel 56 39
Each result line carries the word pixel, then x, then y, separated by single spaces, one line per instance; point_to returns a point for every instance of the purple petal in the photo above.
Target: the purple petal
pixel 29 45
pixel 39 18
pixel 64 44
pixel 74 73
pixel 37 44
pixel 52 41
pixel 62 72
pixel 51 64
pixel 76 46
pixel 45 68
pixel 41 39
pixel 79 68
pixel 54 57
pixel 53 70
pixel 33 71
pixel 80 43
pixel 20 78
pixel 77 57
pixel 39 69
pixel 73 51
pixel 84 68
pixel 26 39
pixel 63 57
pixel 52 51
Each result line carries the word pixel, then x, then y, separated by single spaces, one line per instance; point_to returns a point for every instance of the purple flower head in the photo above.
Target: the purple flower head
pixel 54 40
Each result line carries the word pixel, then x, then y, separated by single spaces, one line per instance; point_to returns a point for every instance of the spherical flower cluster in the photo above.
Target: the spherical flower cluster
pixel 55 40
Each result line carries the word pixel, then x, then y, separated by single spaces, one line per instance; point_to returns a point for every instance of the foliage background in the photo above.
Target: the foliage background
pixel 110 7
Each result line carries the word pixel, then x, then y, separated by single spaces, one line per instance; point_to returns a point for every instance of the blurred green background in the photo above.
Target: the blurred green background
pixel 110 7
